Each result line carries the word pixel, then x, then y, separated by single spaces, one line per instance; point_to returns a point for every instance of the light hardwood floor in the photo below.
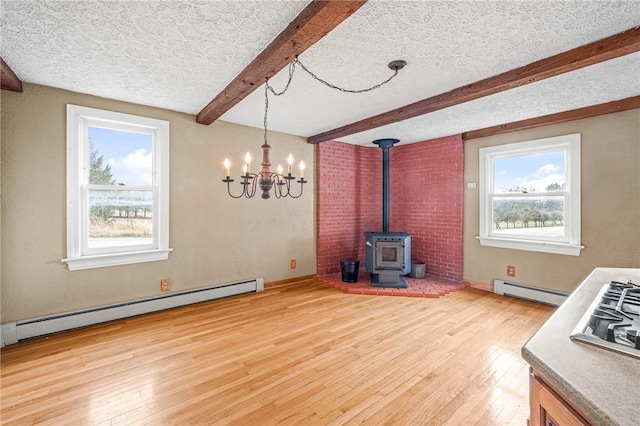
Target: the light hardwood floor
pixel 298 353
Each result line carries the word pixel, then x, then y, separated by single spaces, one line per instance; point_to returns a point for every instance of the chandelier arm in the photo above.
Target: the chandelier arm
pixel 288 180
pixel 228 181
pixel 284 186
pixel 244 188
pixel 332 86
pixel 277 185
pixel 301 182
pixel 249 185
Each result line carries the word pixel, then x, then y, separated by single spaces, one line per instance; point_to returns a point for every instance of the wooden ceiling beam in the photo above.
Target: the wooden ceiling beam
pixel 560 117
pixel 313 23
pixel 8 79
pixel 608 48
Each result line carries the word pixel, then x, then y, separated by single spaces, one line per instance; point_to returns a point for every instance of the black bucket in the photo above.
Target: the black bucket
pixel 349 269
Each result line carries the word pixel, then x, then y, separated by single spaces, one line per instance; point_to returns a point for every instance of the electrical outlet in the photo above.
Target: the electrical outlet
pixel 292 264
pixel 165 284
pixel 511 271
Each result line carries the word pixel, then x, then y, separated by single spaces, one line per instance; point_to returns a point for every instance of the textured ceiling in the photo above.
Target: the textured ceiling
pixel 178 55
pixel 170 54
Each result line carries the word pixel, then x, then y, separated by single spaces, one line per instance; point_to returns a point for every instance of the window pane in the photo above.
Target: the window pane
pixel 119 157
pixel 525 217
pixel 530 173
pixel 120 218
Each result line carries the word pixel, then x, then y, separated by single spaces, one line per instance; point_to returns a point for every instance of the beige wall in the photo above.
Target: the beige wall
pixel 610 162
pixel 1 204
pixel 215 239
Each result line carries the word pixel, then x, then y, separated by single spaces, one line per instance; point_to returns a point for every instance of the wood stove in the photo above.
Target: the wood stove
pixel 388 254
pixel 388 257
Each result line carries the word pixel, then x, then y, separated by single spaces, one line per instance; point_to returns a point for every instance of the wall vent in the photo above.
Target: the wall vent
pixel 26 329
pixel 537 294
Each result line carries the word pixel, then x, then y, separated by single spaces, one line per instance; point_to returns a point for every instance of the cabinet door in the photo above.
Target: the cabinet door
pixel 548 409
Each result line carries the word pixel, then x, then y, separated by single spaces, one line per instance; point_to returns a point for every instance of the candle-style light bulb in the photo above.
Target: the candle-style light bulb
pixel 290 162
pixel 227 165
pixel 279 173
pixel 301 169
pixel 247 160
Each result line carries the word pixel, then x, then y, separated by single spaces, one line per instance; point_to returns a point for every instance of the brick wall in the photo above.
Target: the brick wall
pixel 348 202
pixel 426 181
pixel 428 186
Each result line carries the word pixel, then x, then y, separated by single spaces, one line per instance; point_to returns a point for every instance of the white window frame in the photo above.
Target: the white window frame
pixel 79 256
pixel 570 244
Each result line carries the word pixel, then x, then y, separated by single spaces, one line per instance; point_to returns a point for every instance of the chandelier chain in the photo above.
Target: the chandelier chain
pixel 342 89
pixel 292 67
pixel 268 88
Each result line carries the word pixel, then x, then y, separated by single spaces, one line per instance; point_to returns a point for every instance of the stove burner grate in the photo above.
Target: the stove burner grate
pixel 613 319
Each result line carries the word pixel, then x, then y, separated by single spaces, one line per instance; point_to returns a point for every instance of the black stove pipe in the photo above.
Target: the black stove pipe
pixel 385 144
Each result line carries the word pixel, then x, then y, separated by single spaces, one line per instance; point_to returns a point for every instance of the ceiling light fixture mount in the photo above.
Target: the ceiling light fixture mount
pixel 280 183
pixel 397 64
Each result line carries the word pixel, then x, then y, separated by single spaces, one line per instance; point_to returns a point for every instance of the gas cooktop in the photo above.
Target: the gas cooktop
pixel 613 319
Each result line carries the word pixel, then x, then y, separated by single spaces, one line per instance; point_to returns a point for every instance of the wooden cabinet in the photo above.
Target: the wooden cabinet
pixel 549 407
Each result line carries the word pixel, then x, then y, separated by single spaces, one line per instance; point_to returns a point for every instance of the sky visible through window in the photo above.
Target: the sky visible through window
pixel 533 172
pixel 128 154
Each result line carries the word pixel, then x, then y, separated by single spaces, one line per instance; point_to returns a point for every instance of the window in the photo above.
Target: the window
pixel 530 195
pixel 117 188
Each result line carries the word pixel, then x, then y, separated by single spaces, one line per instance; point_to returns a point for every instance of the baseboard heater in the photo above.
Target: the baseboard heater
pixel 26 329
pixel 537 294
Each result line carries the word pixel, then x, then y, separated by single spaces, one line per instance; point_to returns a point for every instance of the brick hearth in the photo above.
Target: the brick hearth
pixel 429 286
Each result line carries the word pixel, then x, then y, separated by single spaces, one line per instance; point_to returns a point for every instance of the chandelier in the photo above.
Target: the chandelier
pixel 278 182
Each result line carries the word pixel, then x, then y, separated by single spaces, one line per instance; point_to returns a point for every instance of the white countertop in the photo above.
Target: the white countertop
pixel 604 384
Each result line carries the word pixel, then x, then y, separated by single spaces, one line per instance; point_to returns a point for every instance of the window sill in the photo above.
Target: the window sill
pixel 114 259
pixel 530 245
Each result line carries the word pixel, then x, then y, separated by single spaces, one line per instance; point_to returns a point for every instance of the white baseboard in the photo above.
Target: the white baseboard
pixel 24 329
pixel 537 294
